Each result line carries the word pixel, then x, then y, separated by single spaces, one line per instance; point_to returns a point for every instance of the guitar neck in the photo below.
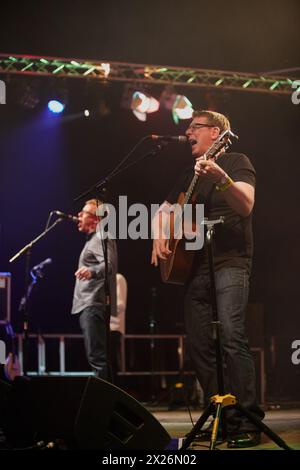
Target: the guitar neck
pixel 191 189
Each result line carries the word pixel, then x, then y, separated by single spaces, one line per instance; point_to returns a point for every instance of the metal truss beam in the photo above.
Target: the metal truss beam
pixel 141 73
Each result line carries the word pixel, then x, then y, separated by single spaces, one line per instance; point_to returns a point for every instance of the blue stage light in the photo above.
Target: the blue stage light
pixel 56 106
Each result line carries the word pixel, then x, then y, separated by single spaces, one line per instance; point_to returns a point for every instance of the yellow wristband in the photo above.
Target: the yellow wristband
pixel 224 186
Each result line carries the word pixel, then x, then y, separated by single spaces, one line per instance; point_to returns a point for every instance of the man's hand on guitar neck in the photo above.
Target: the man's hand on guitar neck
pixel 209 168
pixel 160 250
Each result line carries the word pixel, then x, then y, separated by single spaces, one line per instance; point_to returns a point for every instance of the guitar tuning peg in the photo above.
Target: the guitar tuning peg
pixel 234 135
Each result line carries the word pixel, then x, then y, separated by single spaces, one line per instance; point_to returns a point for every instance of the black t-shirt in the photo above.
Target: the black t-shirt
pixel 233 241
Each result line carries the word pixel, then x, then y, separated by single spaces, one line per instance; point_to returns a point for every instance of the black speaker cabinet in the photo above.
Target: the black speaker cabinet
pixel 83 413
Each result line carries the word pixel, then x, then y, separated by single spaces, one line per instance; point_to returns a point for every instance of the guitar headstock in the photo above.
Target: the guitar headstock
pixel 223 141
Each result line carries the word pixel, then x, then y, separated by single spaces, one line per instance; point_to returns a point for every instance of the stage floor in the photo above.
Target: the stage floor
pixel 285 423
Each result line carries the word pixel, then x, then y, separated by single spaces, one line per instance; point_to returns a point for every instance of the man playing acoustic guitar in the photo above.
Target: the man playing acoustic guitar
pixel 226 188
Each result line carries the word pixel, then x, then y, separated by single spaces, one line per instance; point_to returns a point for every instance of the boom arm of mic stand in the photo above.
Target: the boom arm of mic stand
pixel 28 287
pixel 30 244
pixel 101 185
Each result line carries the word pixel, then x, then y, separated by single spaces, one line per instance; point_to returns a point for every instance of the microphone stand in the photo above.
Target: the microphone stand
pixel 104 241
pixel 99 190
pixel 24 304
pixel 221 401
pixel 152 327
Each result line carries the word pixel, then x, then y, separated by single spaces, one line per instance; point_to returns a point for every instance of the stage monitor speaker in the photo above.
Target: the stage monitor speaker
pixel 83 413
pixel 124 422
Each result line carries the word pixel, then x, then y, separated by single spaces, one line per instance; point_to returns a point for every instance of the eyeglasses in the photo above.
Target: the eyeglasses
pixel 198 125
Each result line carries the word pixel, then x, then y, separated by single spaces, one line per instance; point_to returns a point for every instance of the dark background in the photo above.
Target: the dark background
pixel 46 162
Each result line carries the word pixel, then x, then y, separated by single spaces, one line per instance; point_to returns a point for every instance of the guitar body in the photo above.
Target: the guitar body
pixel 176 269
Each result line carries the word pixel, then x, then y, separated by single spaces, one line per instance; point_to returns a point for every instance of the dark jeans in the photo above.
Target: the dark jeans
pixel 92 322
pixel 232 287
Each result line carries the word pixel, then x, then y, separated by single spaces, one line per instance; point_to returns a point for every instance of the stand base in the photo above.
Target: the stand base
pixel 215 409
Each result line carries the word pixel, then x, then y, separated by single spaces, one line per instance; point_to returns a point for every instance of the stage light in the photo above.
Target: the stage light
pixel 179 105
pixel 56 106
pixel 182 108
pixel 106 69
pixel 86 113
pixel 143 104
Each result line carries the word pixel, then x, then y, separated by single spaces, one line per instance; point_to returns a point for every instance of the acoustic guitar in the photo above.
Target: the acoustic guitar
pixel 177 267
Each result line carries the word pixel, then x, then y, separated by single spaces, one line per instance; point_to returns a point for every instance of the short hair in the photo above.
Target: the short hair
pixel 94 202
pixel 213 118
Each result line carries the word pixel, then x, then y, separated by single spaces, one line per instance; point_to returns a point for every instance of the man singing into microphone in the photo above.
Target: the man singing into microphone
pixel 226 188
pixel 89 294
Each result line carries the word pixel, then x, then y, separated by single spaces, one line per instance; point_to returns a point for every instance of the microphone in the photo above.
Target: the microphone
pixel 70 217
pixel 180 139
pixel 40 266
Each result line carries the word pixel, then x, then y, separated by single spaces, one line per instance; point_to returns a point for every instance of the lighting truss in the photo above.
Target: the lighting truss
pixel 141 73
